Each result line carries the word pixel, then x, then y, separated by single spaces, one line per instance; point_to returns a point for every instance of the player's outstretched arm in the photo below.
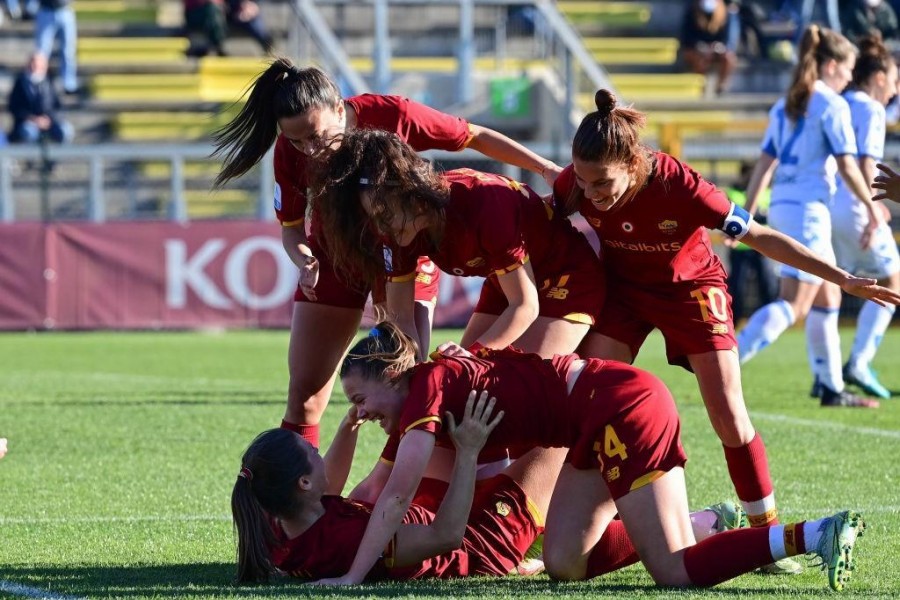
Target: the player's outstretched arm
pixel 781 248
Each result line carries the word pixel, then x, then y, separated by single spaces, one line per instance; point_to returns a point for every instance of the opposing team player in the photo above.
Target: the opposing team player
pixel 808 129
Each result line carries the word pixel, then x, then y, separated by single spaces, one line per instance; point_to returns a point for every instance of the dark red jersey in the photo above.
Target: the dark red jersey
pixel 422 127
pixel 660 235
pixel 493 226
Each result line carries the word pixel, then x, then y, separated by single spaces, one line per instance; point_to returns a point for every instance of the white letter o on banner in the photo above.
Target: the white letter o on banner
pixel 237 275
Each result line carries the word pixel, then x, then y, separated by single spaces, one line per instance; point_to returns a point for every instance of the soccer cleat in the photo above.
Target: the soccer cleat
pixel 785 566
pixel 533 561
pixel 830 398
pixel 729 515
pixel 835 547
pixel 866 379
pixel 816 390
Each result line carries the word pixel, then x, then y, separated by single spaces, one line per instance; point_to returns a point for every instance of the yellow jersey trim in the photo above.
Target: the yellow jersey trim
pixel 512 267
pixel 402 278
pixel 293 223
pixel 468 139
pixel 422 420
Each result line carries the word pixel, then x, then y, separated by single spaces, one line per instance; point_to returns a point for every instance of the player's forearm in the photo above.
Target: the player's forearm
pixel 855 181
pixel 499 147
pixel 781 248
pixel 387 515
pixel 759 181
pixel 452 516
pixel 291 238
pixel 510 325
pixel 339 457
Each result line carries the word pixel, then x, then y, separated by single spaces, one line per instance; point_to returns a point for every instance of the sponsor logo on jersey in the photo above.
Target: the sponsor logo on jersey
pixel 643 246
pixel 720 328
pixel 503 509
pixel 475 262
pixel 668 226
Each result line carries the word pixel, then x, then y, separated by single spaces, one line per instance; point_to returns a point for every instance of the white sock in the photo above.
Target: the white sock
pixel 823 345
pixel 776 542
pixel 764 327
pixel 871 324
pixel 811 534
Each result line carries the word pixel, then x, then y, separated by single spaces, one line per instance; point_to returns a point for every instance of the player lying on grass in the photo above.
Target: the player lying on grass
pixel 311 532
pixel 626 457
pixel 288 521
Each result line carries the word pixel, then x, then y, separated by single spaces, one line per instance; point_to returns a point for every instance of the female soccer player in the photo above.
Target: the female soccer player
pixel 874 84
pixel 625 457
pixel 806 129
pixel 651 213
pixel 290 521
pixel 301 111
pixel 544 283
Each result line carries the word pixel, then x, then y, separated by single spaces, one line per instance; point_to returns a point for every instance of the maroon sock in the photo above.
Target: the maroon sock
pixel 726 555
pixel 749 470
pixel 310 433
pixel 613 551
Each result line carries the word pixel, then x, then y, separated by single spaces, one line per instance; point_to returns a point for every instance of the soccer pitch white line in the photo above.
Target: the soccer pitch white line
pixel 131 519
pixel 17 589
pixel 886 433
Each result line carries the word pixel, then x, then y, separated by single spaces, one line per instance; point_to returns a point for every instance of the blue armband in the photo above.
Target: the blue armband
pixel 737 223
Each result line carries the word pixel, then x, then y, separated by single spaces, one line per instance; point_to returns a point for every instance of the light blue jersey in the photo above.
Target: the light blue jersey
pixel 868 119
pixel 804 149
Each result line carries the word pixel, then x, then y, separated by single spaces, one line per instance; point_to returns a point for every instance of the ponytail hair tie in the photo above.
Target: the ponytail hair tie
pixel 246 473
pixel 374 332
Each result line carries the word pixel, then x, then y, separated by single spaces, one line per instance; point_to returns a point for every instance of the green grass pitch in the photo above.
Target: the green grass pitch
pixel 124 448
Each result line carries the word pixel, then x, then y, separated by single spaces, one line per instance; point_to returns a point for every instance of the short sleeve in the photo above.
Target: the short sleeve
pixel 564 188
pixel 869 127
pixel 708 203
pixel 771 140
pixel 290 183
pixel 423 406
pixel 400 262
pixel 838 129
pixel 427 128
pixel 500 227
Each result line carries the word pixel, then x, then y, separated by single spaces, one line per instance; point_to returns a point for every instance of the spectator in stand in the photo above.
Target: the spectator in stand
pixel 746 264
pixel 206 17
pixel 56 19
pixel 860 18
pixel 245 15
pixel 34 106
pixel 709 38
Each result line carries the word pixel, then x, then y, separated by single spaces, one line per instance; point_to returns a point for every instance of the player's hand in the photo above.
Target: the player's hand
pixel 309 276
pixel 2 447
pixel 345 580
pixel 550 172
pixel 888 182
pixel 476 426
pixel 450 349
pixel 868 289
pixel 353 420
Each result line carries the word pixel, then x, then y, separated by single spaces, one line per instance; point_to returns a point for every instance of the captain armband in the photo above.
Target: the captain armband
pixel 737 223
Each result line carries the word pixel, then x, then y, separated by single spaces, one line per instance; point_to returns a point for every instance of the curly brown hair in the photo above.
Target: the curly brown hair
pixel 398 179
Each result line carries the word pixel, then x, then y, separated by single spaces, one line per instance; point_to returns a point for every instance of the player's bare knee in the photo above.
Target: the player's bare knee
pixel 562 567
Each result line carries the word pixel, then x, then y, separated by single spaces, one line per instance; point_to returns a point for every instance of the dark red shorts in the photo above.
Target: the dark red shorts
pixel 694 318
pixel 502 525
pixel 331 290
pixel 573 288
pixel 628 426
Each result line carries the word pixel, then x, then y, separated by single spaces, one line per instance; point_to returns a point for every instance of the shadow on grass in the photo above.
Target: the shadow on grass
pixel 215 580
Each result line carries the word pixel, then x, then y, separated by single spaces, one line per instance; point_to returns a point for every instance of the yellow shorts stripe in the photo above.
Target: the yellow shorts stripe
pixel 646 479
pixel 534 511
pixel 579 318
pixel 402 278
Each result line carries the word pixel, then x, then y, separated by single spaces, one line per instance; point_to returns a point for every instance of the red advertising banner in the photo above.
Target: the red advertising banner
pixel 158 275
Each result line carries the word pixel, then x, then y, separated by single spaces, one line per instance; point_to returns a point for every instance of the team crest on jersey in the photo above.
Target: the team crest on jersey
pixel 388 259
pixel 668 226
pixel 475 262
pixel 627 227
pixel 503 509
